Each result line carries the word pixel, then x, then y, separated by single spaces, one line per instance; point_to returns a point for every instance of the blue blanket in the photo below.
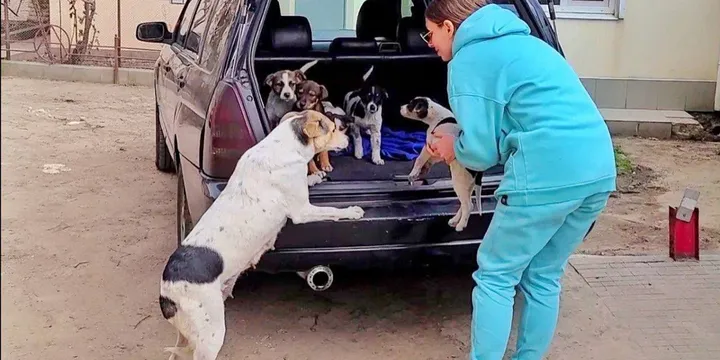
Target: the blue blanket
pixel 395 145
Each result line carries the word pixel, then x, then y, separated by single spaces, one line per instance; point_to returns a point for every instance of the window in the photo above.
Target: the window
pixel 217 33
pixel 333 18
pixel 187 16
pixel 584 8
pixel 197 30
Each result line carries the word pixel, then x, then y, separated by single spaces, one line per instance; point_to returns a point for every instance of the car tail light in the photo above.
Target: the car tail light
pixel 227 132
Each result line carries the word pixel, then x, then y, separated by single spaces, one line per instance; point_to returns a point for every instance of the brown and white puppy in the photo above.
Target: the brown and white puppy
pixel 283 85
pixel 313 96
pixel 441 120
pixel 268 186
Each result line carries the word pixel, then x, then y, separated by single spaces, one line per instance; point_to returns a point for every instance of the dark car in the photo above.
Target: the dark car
pixel 210 109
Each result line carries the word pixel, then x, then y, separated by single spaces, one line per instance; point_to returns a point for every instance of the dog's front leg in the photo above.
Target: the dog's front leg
pixel 420 164
pixel 357 142
pixel 375 142
pixel 463 184
pixel 312 213
pixel 325 162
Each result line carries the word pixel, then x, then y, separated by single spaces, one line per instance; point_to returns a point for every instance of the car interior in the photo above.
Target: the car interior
pixel 403 64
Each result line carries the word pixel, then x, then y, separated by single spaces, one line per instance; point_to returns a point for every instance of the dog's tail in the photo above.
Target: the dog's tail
pixel 307 66
pixel 182 352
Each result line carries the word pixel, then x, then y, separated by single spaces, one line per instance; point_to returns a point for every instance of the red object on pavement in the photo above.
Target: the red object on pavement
pixel 684 236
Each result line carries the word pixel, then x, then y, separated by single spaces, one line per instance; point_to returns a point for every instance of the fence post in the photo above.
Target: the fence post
pixel 116 63
pixel 119 33
pixel 6 25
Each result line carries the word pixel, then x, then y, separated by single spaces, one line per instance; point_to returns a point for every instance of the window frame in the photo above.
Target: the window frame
pixel 585 9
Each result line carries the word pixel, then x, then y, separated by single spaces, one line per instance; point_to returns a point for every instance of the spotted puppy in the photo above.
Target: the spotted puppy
pixel 283 85
pixel 441 120
pixel 365 106
pixel 313 96
pixel 267 187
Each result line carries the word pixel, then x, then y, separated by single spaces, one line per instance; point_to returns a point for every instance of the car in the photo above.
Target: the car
pixel 209 109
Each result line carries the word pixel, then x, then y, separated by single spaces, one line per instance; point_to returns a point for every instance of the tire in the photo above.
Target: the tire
pixel 184 221
pixel 163 160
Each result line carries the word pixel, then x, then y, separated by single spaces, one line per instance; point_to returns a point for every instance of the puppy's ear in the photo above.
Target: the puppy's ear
pixel 269 79
pixel 323 92
pixel 300 76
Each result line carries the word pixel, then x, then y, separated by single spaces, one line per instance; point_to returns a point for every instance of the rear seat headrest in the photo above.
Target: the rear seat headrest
pixel 353 46
pixel 377 19
pixel 409 33
pixel 291 34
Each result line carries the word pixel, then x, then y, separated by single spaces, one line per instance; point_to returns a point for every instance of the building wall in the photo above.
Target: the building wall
pixel 657 39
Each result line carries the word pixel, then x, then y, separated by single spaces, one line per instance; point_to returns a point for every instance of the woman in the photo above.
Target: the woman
pixel 520 104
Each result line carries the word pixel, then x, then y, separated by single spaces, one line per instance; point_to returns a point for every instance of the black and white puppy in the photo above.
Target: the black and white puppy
pixel 365 106
pixel 282 97
pixel 442 121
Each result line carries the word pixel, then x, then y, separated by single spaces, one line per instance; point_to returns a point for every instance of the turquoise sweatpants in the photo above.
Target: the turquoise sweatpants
pixel 526 247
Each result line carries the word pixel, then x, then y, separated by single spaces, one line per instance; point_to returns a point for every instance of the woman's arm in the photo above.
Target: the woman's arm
pixel 479 118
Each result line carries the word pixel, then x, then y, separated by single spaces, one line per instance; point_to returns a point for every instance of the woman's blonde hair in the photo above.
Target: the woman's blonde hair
pixel 455 11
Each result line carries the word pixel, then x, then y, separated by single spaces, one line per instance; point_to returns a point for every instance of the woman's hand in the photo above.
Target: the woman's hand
pixel 443 146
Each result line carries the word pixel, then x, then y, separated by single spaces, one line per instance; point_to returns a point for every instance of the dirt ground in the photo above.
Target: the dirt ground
pixel 636 220
pixel 87 224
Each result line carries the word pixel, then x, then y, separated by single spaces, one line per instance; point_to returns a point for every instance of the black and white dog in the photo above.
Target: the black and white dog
pixel 365 106
pixel 268 187
pixel 442 121
pixel 282 97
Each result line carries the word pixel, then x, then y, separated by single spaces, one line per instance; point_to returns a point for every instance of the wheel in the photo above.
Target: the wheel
pixel 163 160
pixel 184 221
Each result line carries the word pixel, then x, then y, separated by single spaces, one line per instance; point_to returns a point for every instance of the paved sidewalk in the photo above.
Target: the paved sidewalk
pixel 670 309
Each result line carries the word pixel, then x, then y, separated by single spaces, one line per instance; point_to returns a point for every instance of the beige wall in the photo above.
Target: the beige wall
pixel 658 39
pixel 133 12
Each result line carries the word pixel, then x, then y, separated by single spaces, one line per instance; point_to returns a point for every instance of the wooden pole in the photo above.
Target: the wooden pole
pixel 6 25
pixel 116 63
pixel 119 36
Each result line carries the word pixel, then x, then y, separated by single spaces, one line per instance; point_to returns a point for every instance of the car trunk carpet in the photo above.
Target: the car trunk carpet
pixel 347 168
pixel 396 144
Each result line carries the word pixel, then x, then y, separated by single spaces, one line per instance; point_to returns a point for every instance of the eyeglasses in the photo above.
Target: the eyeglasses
pixel 427 37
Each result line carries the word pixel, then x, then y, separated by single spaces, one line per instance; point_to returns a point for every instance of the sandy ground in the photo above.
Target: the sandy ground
pixel 87 223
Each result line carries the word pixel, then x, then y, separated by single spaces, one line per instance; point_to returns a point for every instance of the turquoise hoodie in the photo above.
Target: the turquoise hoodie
pixel 520 104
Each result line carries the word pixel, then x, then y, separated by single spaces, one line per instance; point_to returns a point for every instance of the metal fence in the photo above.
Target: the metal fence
pixel 83 32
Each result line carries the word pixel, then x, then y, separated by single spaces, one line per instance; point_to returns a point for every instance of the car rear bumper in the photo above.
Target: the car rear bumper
pixel 393 233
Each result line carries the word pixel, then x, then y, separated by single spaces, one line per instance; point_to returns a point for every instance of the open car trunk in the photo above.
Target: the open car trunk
pixel 402 62
pixel 403 78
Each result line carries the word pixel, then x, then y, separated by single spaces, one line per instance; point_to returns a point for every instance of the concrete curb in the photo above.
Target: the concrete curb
pixel 79 73
pixel 659 124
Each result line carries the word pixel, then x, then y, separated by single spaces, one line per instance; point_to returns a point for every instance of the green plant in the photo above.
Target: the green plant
pixel 622 162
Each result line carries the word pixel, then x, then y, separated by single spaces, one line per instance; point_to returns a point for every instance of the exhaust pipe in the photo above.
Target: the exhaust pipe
pixel 318 278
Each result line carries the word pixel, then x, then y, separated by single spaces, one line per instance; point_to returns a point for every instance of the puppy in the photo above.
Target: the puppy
pixel 267 187
pixel 441 120
pixel 364 105
pixel 282 96
pixel 312 96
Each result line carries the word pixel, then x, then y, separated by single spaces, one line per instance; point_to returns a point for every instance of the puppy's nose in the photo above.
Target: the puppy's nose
pixel 286 95
pixel 372 107
pixel 302 104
